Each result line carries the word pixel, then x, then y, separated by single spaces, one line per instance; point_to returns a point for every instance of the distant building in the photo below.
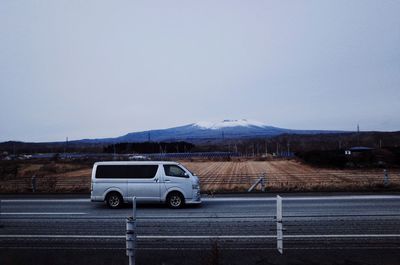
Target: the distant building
pixel 358 149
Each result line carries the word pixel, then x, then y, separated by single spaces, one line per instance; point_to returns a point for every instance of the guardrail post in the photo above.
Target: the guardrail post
pixel 279 228
pixel 33 183
pixel 131 234
pixel 385 178
pixel 0 216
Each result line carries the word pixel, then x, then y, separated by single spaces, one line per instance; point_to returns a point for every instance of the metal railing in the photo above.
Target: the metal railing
pixel 297 232
pixel 131 234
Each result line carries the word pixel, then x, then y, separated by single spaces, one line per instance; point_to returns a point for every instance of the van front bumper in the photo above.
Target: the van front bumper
pixel 196 198
pixel 193 201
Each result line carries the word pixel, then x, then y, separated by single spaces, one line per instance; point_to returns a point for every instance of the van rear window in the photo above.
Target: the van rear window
pixel 126 171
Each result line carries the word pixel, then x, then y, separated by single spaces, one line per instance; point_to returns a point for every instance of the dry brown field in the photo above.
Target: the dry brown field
pixel 288 175
pixel 215 176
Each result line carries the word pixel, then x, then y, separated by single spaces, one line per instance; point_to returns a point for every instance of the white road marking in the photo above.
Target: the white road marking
pixel 203 236
pixel 39 213
pixel 308 198
pixel 264 236
pixel 343 236
pixel 61 236
pixel 233 199
pixel 203 248
pixel 207 237
pixel 43 200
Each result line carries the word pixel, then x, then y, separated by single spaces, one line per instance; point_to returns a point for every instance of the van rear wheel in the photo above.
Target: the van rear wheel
pixel 175 200
pixel 114 200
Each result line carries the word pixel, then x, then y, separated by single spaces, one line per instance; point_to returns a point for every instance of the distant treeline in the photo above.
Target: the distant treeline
pixel 373 158
pixel 149 147
pixel 305 142
pixel 246 146
pixel 16 148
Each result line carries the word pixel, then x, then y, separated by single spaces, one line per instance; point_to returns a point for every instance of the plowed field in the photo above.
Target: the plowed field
pixel 287 175
pixel 279 175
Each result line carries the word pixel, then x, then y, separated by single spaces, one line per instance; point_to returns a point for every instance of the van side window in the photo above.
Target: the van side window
pixel 174 171
pixel 126 171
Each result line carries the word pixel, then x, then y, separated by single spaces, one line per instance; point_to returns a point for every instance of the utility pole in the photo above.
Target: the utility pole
pixel 114 154
pixel 66 147
pixel 358 134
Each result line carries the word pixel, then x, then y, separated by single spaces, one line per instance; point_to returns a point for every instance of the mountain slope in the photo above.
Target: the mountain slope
pixel 227 129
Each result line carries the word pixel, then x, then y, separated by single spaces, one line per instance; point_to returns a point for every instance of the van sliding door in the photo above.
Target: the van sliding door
pixel 144 182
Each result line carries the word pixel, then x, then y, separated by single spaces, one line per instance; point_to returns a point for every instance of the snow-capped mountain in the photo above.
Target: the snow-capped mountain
pixel 229 123
pixel 200 131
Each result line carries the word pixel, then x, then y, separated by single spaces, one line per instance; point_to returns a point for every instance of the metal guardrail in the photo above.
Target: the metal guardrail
pixel 131 235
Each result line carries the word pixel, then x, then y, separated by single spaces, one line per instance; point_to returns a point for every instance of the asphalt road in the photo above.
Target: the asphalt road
pixel 225 230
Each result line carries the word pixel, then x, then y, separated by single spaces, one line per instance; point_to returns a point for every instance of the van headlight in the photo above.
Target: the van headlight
pixel 195 186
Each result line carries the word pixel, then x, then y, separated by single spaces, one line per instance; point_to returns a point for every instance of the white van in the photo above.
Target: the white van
pixel 150 181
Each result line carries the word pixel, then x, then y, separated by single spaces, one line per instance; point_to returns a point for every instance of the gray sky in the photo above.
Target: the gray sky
pixel 87 69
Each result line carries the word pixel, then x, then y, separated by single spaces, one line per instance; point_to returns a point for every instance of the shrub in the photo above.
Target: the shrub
pixel 335 158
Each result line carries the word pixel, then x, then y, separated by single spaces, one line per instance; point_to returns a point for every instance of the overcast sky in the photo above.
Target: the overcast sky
pixel 89 69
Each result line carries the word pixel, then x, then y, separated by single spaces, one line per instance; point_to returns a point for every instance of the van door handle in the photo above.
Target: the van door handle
pixel 167 180
pixel 155 180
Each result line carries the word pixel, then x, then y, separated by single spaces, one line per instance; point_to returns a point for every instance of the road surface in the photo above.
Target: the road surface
pixel 224 229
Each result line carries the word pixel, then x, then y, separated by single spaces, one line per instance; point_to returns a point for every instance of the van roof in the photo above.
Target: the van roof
pixel 135 162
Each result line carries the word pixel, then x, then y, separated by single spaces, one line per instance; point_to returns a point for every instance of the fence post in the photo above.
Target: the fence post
pixel 131 234
pixel 279 228
pixel 385 178
pixel 33 182
pixel 263 182
pixel 254 185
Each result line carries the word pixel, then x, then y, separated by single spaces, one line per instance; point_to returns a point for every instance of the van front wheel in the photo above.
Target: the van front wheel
pixel 114 200
pixel 175 200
